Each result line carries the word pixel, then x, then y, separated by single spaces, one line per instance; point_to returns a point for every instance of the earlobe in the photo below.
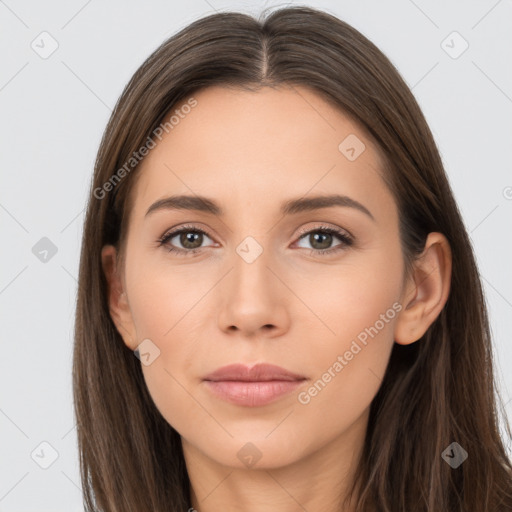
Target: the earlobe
pixel 427 290
pixel 119 308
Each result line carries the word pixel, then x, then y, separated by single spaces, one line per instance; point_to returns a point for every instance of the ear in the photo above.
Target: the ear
pixel 118 301
pixel 426 291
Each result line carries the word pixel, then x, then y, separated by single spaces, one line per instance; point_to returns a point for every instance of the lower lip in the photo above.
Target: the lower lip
pixel 252 394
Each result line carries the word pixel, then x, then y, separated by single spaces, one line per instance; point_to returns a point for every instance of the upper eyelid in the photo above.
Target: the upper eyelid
pixel 325 226
pixel 176 231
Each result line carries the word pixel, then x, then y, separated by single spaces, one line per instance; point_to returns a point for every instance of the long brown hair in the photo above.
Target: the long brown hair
pixel 436 391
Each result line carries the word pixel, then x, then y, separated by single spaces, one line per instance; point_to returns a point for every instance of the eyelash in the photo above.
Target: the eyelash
pixel 346 240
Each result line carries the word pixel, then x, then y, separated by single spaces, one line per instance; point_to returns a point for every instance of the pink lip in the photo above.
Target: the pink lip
pixel 252 386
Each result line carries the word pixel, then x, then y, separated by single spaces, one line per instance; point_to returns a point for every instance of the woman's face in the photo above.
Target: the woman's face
pixel 266 282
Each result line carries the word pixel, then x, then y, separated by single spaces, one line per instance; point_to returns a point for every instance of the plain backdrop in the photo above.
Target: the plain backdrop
pixel 54 108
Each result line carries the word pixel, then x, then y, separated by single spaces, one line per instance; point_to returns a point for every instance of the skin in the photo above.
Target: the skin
pixel 251 151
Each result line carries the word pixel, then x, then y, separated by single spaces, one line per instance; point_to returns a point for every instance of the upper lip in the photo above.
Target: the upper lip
pixel 256 373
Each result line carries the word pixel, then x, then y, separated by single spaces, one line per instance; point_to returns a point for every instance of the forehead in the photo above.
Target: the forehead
pixel 247 146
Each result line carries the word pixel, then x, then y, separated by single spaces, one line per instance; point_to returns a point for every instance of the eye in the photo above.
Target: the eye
pixel 190 238
pixel 322 237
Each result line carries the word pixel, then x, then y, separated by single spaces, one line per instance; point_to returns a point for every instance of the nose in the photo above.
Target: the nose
pixel 254 301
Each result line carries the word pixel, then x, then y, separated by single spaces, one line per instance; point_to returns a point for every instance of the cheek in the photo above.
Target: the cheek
pixel 347 369
pixel 347 300
pixel 171 394
pixel 358 305
pixel 165 308
pixel 163 298
pixel 164 316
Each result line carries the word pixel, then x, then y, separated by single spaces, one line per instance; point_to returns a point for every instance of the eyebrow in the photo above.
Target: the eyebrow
pixel 290 207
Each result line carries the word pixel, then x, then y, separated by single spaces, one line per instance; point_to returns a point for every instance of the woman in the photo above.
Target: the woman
pixel 353 373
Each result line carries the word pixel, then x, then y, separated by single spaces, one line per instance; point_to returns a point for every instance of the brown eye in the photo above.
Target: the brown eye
pixel 191 239
pixel 186 240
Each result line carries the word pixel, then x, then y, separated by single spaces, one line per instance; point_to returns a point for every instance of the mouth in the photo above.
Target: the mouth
pixel 252 394
pixel 260 372
pixel 253 386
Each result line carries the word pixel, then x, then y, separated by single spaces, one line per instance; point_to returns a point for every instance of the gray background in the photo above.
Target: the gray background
pixel 54 111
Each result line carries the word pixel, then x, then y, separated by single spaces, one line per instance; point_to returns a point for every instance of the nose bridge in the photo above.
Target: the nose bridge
pixel 251 297
pixel 251 259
